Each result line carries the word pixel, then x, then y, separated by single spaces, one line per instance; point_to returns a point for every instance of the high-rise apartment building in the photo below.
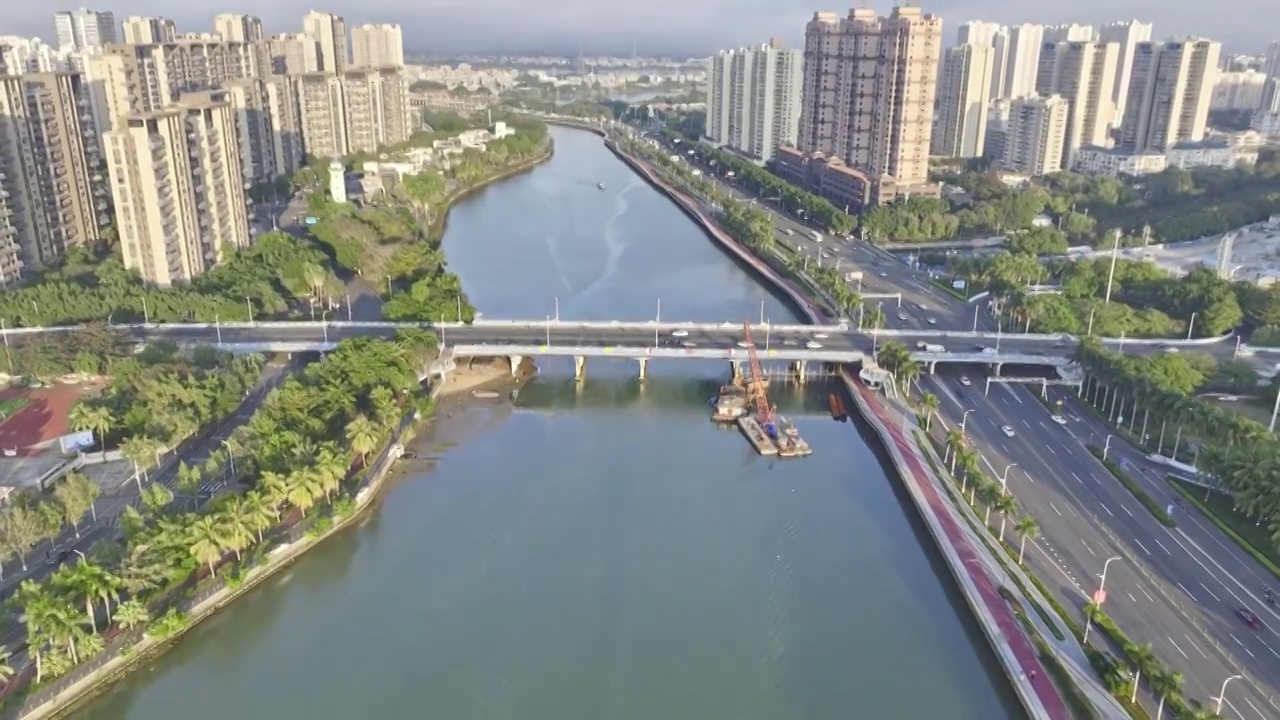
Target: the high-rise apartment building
pixel 375 46
pixel 964 89
pixel 128 79
pixel 83 29
pixel 1238 90
pixel 1023 62
pixel 179 188
pixel 753 98
pixel 330 33
pixel 990 35
pixel 1169 94
pixel 50 168
pixel 356 111
pixel 1035 135
pixel 267 122
pixel 238 28
pixel 1127 35
pixel 147 30
pixel 1083 73
pixel 1069 33
pixel 20 55
pixel 293 54
pixel 868 96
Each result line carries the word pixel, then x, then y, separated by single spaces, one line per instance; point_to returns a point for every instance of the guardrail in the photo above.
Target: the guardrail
pixel 651 353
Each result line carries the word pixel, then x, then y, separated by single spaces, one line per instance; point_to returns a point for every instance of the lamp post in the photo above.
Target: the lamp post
pixel 548 327
pixel 1098 597
pixel 1004 478
pixel 1222 694
pixel 975 318
pixel 231 458
pixel 324 323
pixel 8 354
pixel 1191 324
pixel 249 304
pixel 217 326
pixel 1106 447
pixel 964 420
pixel 557 308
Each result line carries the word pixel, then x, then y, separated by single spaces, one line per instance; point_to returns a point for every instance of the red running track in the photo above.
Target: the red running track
pixel 1022 648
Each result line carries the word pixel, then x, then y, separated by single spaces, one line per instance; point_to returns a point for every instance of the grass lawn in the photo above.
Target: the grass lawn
pixel 1254 539
pixel 9 406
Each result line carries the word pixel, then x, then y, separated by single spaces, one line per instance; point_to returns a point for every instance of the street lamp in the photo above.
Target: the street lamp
pixel 964 419
pixel 975 318
pixel 1222 694
pixel 557 308
pixel 231 458
pixel 1106 447
pixel 324 323
pixel 1004 478
pixel 1098 597
pixel 217 326
pixel 548 326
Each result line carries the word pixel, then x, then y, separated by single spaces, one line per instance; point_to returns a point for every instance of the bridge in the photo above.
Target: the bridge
pixel 640 341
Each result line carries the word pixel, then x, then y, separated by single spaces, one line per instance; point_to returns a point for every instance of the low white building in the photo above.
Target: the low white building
pixel 1113 163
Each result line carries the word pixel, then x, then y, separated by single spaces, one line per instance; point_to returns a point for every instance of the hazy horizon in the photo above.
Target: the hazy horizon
pixel 673 27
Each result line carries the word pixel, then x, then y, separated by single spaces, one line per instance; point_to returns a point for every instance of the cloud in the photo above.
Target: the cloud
pixel 697 26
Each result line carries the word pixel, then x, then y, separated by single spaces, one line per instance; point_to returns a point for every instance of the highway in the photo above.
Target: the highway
pixel 1177 589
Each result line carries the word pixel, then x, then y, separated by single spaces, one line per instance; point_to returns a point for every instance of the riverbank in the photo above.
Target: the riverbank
pixel 435 230
pixel 114 664
pixel 1017 655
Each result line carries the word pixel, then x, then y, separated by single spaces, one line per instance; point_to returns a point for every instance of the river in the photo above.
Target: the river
pixel 601 552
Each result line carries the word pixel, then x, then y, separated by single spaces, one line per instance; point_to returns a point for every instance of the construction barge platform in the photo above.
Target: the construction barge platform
pixel 769 433
pixel 787 444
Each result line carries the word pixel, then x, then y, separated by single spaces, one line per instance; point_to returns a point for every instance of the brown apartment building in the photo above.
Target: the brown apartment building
pixel 866 114
pixel 53 191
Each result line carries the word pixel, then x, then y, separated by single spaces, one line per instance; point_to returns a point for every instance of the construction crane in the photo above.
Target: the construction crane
pixel 764 413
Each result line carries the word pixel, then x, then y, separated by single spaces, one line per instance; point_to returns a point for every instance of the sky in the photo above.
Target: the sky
pixel 697 27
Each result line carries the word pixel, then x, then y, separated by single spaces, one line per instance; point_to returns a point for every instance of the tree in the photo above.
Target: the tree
pixel 1144 660
pixel 1006 505
pixel 1025 529
pixel 89 583
pixel 362 436
pixel 1165 684
pixel 131 614
pixel 84 416
pixel 207 541
pixel 929 403
pixel 76 495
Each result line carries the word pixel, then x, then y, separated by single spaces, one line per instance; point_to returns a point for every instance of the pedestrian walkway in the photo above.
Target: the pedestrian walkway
pixel 1031 671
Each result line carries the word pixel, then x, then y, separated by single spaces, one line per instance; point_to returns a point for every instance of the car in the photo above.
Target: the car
pixel 933 321
pixel 1007 430
pixel 813 345
pixel 680 333
pixel 884 274
pixel 902 315
pixel 819 336
pixel 790 343
pixel 689 344
pixel 1058 419
pixel 1249 618
pixel 964 380
pixel 789 231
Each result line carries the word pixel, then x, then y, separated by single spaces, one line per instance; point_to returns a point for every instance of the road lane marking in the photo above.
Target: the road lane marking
pixel 1175 647
pixel 1055 509
pixel 1086 547
pixel 1126 511
pixel 1144 547
pixel 1233 637
pixel 1055 452
pixel 1193 557
pixel 1077 477
pixel 1162 547
pixel 1206 589
pixel 1194 645
pixel 1104 507
pixel 1188 592
pixel 1273 652
pixel 1255 709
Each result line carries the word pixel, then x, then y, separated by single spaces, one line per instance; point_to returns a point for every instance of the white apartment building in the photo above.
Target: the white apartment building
pixel 1169 95
pixel 20 55
pixel 1022 65
pixel 238 28
pixel 964 88
pixel 146 30
pixel 1034 135
pixel 374 46
pixel 996 37
pixel 1127 35
pixel 179 188
pixel 1238 90
pixel 330 32
pixel 83 29
pixel 753 98
pixel 1069 33
pixel 1083 73
pixel 266 112
pixel 357 111
pixel 295 54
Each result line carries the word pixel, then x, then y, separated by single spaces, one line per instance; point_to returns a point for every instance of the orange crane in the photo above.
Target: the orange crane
pixel 764 414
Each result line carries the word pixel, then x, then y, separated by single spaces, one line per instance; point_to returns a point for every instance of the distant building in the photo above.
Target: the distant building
pixel 753 99
pixel 374 46
pixel 960 126
pixel 1169 95
pixel 1238 90
pixel 330 33
pixel 83 29
pixel 147 30
pixel 337 182
pixel 1084 74
pixel 1033 136
pixel 357 111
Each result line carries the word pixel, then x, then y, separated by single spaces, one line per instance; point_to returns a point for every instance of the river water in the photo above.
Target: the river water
pixel 601 552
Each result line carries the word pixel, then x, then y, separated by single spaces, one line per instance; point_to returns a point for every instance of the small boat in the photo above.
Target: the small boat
pixel 730 404
pixel 484 394
pixel 837 408
pixel 600 185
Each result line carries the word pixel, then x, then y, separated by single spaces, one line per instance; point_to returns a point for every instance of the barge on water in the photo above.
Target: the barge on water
pixel 836 405
pixel 780 438
pixel 730 404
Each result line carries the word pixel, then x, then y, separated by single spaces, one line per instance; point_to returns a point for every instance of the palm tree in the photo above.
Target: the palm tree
pixel 362 436
pixel 88 582
pixel 259 512
pixel 207 541
pixel 929 403
pixel 954 441
pixel 235 525
pixel 274 489
pixel 303 490
pixel 1006 505
pixel 1144 660
pixel 988 493
pixel 6 670
pixel 131 614
pixel 1164 683
pixel 95 418
pixel 1025 529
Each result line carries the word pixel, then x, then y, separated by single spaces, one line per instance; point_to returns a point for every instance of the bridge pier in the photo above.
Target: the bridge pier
pixel 736 367
pixel 997 367
pixel 579 367
pixel 516 362
pixel 799 367
pixel 644 368
pixel 933 367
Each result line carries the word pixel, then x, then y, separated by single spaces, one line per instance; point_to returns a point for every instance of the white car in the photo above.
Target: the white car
pixel 884 274
pixel 1059 419
pixel 680 333
pixel 964 380
pixel 743 344
pixel 1007 430
pixel 689 344
pixel 790 343
pixel 789 231
pixel 902 316
pixel 933 321
pixel 819 336
pixel 813 345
